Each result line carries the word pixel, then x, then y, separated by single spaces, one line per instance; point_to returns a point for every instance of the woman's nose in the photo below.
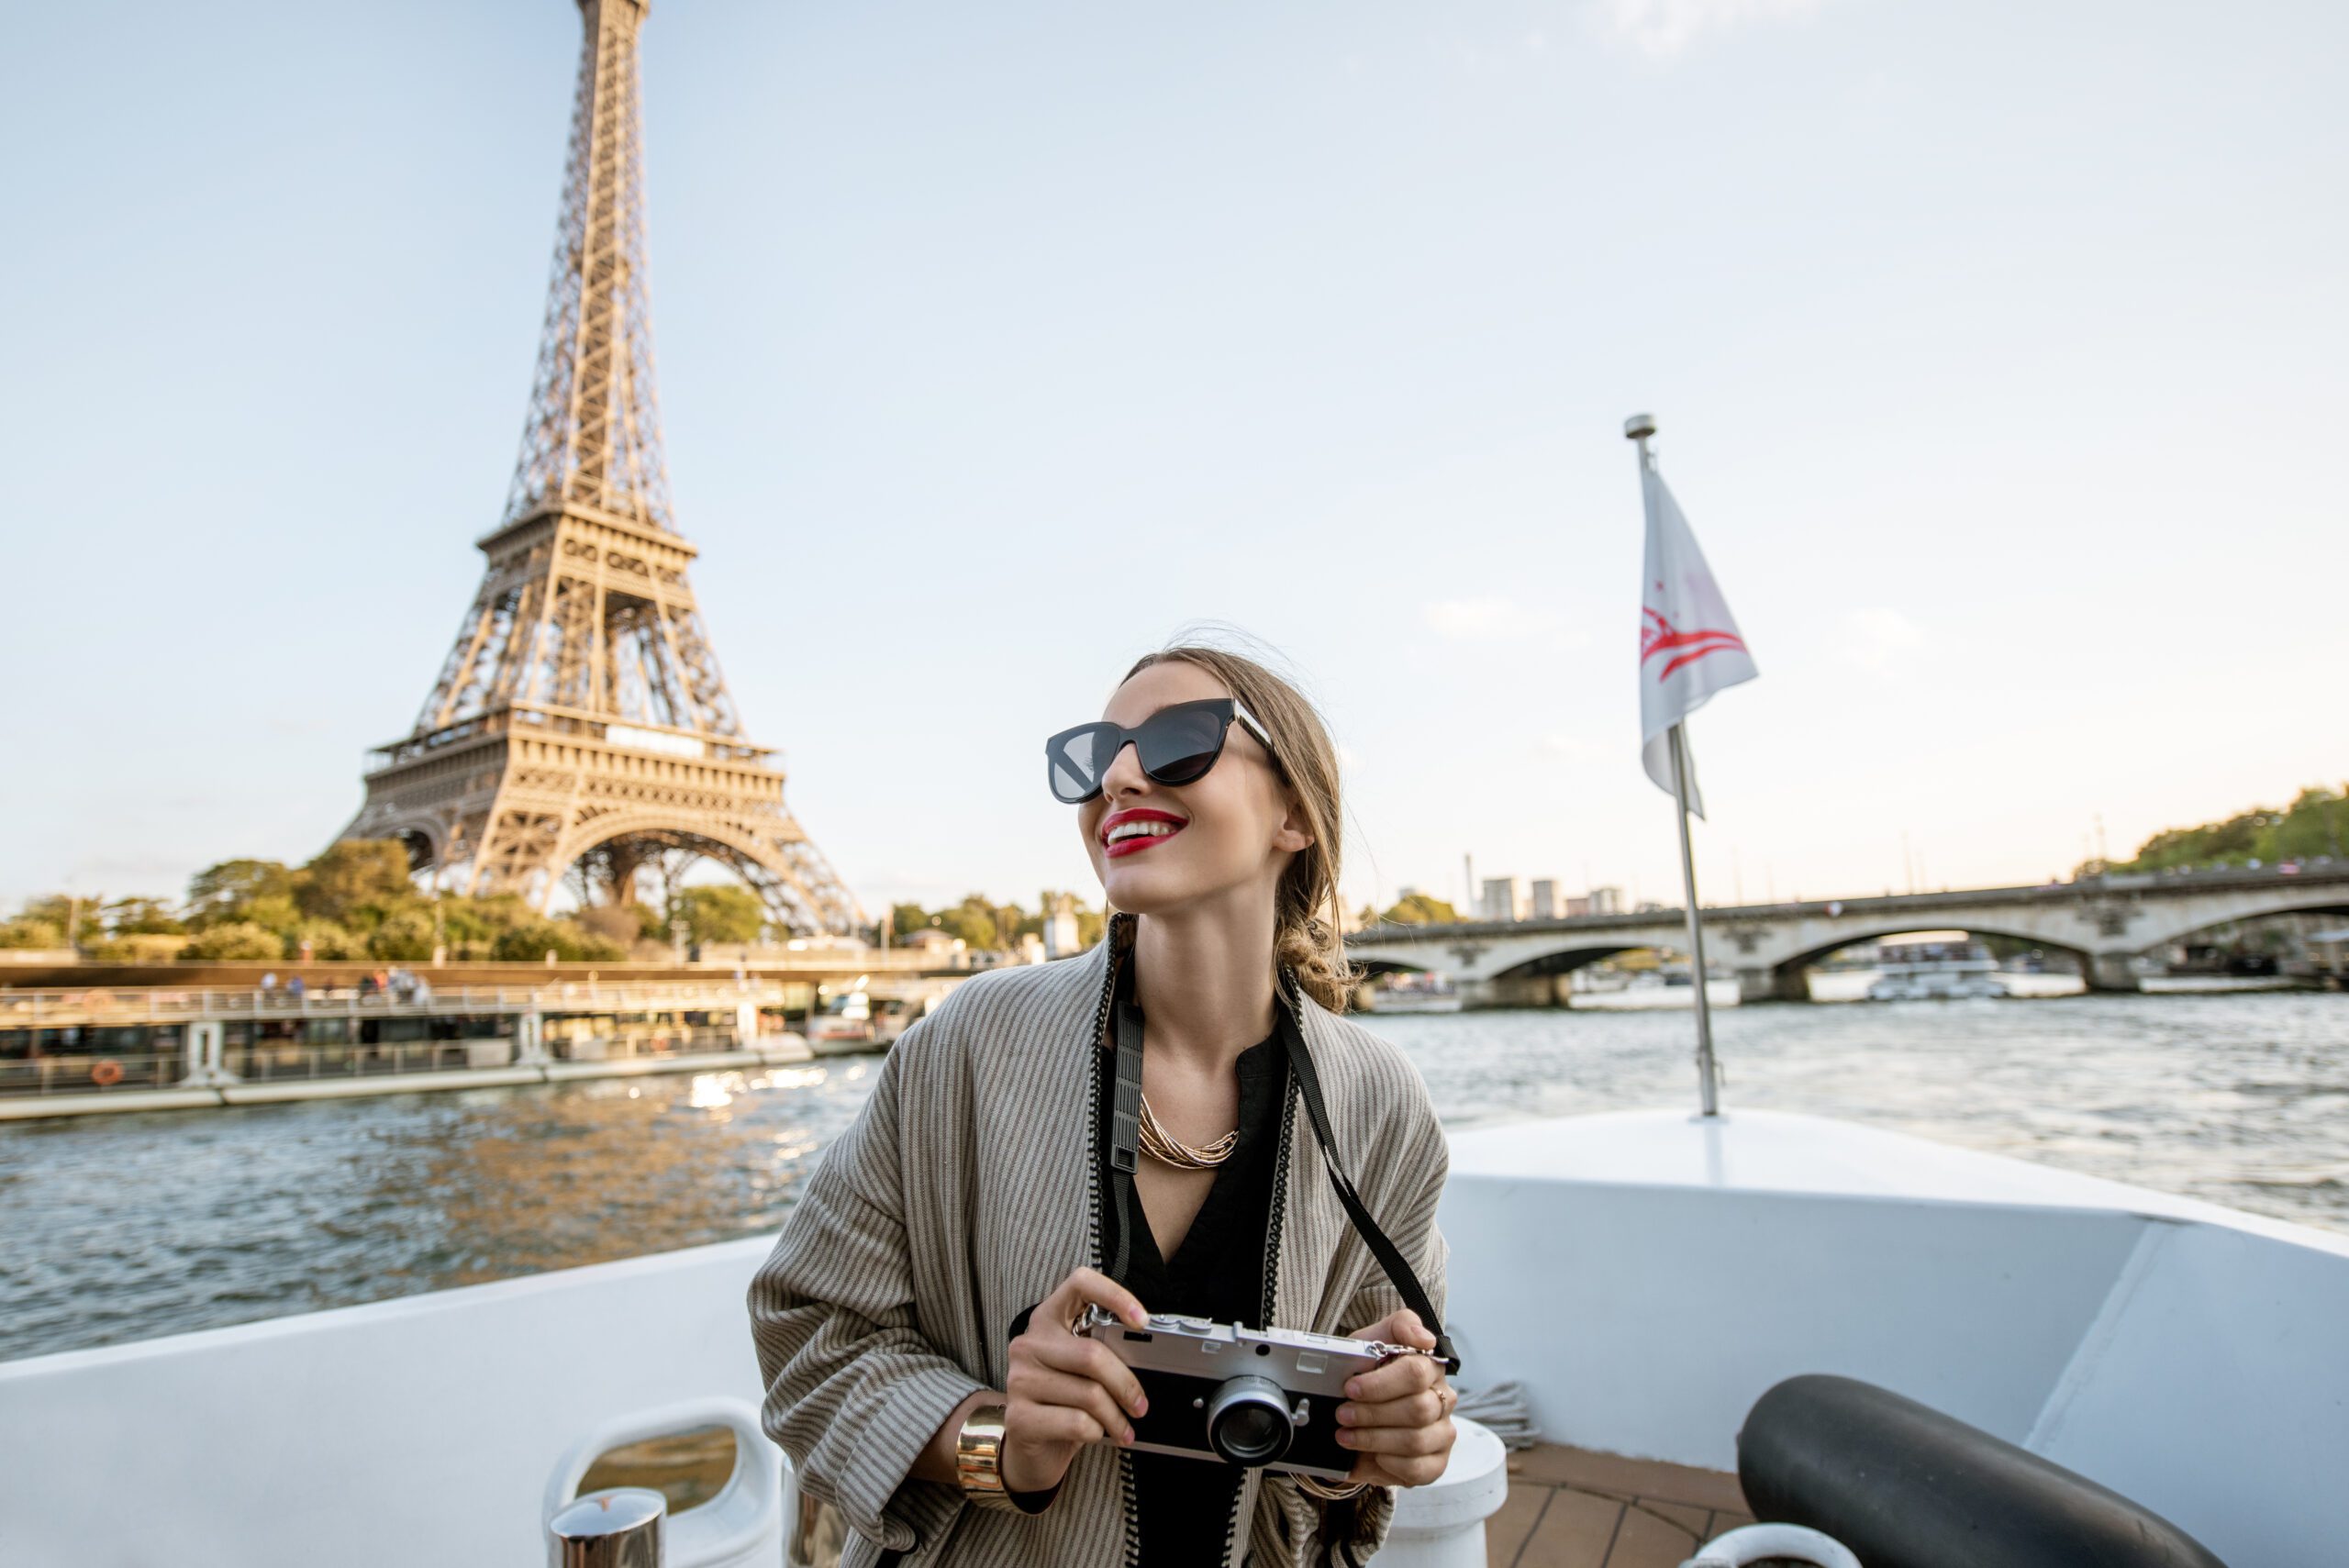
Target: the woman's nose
pixel 1124 775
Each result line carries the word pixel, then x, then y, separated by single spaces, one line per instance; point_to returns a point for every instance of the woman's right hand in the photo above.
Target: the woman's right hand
pixel 1064 1390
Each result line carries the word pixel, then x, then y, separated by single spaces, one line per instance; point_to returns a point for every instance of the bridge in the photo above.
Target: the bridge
pixel 2102 921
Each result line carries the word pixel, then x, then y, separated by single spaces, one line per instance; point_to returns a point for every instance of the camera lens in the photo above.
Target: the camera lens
pixel 1248 1421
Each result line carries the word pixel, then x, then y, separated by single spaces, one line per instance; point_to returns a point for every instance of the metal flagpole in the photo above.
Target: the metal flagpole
pixel 1639 428
pixel 1708 1072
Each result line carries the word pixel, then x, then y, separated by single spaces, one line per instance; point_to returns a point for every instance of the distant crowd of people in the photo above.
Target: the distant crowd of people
pixel 402 985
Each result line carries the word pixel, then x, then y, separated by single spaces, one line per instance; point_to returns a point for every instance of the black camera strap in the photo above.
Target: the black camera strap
pixel 1125 1137
pixel 1390 1257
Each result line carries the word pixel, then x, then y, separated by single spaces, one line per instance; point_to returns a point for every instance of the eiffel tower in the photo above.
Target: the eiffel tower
pixel 580 724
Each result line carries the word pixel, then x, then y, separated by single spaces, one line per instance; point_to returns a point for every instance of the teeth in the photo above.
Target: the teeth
pixel 1124 830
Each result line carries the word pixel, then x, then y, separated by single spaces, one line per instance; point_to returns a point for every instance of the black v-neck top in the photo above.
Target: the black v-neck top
pixel 1184 1505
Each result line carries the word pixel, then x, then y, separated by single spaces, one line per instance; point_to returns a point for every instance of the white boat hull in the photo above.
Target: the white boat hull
pixel 1646 1277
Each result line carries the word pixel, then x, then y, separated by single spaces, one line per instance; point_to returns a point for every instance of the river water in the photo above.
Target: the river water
pixel 125 1228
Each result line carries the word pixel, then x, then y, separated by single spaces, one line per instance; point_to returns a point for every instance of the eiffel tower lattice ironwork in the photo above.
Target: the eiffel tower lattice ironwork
pixel 580 721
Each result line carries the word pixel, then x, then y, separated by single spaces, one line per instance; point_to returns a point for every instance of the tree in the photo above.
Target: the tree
pixel 404 936
pixel 274 912
pixel 137 946
pixel 327 940
pixel 74 918
pixel 24 931
pixel 226 890
pixel 2316 823
pixel 234 940
pixel 140 917
pixel 1421 909
pixel 905 920
pixel 719 913
pixel 973 920
pixel 356 882
pixel 531 941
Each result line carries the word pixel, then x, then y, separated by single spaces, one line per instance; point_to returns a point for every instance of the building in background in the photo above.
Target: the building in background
pixel 1060 927
pixel 1499 899
pixel 1543 899
pixel 1605 901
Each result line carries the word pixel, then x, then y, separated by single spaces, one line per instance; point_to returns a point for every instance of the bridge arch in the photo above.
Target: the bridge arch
pixel 2012 931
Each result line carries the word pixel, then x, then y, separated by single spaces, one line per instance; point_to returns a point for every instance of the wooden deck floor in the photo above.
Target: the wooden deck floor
pixel 1571 1508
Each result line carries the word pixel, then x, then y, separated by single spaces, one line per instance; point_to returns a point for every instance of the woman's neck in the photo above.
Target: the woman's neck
pixel 1204 979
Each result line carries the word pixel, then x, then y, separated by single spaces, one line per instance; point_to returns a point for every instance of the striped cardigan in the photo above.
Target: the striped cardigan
pixel 966 1191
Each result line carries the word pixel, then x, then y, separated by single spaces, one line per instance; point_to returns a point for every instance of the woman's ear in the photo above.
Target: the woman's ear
pixel 1295 832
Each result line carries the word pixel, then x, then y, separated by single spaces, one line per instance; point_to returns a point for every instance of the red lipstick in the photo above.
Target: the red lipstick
pixel 1136 843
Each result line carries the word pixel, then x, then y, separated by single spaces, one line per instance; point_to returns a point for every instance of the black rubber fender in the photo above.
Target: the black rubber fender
pixel 1905 1487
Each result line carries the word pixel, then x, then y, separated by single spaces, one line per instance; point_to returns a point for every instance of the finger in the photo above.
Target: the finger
pixel 1043 1387
pixel 1050 1424
pixel 1093 1286
pixel 1408 1440
pixel 1092 1359
pixel 1397 1470
pixel 1424 1408
pixel 1400 1327
pixel 1392 1380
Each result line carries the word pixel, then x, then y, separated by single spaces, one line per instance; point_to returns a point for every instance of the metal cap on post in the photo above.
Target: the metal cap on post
pixel 620 1527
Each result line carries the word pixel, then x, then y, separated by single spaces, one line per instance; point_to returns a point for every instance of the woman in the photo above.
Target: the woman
pixel 918 1310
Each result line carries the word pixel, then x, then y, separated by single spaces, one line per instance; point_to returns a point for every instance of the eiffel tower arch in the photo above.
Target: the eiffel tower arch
pixel 580 725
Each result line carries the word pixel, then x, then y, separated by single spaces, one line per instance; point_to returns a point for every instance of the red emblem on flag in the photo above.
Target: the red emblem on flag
pixel 1658 635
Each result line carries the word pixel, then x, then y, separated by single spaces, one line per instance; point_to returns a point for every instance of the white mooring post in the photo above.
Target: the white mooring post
pixel 530 1037
pixel 206 1055
pixel 1441 1525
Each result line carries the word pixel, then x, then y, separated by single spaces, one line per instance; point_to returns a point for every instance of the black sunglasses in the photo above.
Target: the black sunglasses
pixel 1176 745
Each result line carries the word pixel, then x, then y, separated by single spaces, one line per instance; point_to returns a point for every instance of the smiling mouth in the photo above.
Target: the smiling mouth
pixel 1130 832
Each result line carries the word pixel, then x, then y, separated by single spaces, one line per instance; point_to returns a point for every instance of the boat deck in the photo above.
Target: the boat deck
pixel 1568 1508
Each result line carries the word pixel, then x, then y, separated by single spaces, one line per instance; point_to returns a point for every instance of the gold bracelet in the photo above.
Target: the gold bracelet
pixel 978 1460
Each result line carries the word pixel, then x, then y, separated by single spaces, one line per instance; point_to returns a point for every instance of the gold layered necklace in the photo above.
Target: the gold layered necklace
pixel 1168 1150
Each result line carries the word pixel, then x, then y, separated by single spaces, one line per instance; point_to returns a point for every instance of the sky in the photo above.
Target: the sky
pixel 2000 352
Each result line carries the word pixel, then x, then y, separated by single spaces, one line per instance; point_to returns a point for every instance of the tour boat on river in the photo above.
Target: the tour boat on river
pixel 1936 969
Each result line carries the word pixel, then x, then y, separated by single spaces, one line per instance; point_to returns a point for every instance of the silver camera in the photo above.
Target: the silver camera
pixel 1252 1397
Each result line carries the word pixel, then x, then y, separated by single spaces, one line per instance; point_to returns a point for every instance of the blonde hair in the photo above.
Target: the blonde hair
pixel 1308 921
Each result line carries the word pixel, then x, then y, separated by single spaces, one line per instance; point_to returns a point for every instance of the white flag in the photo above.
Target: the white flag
pixel 1690 646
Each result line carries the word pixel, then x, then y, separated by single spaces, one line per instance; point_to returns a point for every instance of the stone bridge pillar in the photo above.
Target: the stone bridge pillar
pixel 1786 983
pixel 1514 991
pixel 2110 972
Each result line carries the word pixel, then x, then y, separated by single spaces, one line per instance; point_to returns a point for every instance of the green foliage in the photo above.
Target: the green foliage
pixel 71 917
pixel 273 913
pixel 141 916
pixel 2316 823
pixel 532 941
pixel 471 925
pixel 327 940
pixel 976 921
pixel 1421 909
pixel 234 940
pixel 719 913
pixel 27 931
pixel 988 927
pixel 356 882
pixel 137 946
pixel 404 936
pixel 224 892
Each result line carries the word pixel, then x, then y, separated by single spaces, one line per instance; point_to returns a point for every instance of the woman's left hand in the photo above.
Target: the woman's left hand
pixel 1398 1417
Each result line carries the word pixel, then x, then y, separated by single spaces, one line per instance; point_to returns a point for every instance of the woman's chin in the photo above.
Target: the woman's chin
pixel 1145 890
